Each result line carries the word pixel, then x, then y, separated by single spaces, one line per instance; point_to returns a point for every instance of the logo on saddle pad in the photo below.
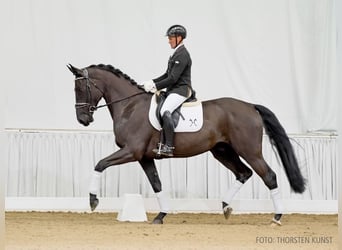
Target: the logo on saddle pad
pixel 190 120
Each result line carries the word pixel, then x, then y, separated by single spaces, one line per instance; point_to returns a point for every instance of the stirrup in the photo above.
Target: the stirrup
pixel 167 150
pixel 164 150
pixel 157 150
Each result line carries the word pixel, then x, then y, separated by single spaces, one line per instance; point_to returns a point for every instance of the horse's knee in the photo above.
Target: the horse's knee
pixel 100 166
pixel 270 179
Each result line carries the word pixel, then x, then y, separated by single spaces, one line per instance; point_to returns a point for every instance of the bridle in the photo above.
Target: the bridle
pixel 93 108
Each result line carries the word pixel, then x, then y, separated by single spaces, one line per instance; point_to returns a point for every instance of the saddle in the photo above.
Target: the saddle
pixel 190 112
pixel 160 99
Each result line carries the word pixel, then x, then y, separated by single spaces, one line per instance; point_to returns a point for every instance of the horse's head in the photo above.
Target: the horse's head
pixel 87 94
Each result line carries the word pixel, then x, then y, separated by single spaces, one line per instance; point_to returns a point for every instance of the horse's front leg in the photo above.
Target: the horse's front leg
pixel 152 175
pixel 121 156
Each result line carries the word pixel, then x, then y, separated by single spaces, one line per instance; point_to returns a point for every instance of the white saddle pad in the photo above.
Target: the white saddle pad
pixel 192 113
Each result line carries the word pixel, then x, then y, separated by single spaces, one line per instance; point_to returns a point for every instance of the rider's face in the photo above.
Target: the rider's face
pixel 173 41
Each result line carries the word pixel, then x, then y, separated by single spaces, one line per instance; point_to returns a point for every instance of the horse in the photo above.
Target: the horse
pixel 231 129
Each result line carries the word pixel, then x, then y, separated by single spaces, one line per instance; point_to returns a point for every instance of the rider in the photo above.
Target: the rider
pixel 177 81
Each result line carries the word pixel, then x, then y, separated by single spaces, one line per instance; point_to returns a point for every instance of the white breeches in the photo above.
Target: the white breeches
pixel 172 102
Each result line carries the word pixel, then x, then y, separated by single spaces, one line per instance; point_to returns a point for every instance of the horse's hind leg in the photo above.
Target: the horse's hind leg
pixel 152 175
pixel 270 179
pixel 230 159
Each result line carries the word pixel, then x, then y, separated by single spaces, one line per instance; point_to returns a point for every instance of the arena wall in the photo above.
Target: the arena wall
pixel 50 170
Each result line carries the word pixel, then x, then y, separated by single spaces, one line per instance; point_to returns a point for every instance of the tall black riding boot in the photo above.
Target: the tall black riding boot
pixel 168 130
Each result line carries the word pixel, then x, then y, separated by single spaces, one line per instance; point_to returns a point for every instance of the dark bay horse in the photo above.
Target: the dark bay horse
pixel 231 129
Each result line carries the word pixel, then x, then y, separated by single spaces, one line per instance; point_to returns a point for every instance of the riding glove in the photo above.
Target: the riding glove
pixel 149 86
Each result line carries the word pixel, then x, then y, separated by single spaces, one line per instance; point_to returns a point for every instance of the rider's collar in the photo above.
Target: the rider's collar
pixel 178 46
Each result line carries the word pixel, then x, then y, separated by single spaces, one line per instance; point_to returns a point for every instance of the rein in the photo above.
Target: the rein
pixel 93 108
pixel 116 101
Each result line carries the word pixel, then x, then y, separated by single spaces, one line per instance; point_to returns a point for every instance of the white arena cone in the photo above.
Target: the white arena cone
pixel 133 209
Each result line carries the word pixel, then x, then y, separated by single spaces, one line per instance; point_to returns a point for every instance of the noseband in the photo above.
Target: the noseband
pixel 93 108
pixel 79 105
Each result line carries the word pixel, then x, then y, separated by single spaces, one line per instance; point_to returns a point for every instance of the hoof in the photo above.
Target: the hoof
pixel 93 201
pixel 159 218
pixel 157 221
pixel 227 211
pixel 275 222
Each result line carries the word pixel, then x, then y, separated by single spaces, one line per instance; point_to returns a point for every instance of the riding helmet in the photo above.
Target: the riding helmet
pixel 176 30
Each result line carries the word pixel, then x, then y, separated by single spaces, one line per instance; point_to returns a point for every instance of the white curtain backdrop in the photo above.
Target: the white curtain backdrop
pixel 277 53
pixel 57 164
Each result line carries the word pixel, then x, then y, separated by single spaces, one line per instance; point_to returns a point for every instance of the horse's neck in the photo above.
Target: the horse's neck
pixel 117 88
pixel 122 94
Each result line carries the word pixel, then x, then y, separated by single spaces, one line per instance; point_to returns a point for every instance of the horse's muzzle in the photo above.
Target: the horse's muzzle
pixel 85 119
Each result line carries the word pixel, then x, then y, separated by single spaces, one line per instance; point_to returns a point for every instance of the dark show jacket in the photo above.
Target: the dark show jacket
pixel 177 78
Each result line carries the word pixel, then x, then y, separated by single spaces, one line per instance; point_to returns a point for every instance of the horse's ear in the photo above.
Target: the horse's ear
pixel 77 72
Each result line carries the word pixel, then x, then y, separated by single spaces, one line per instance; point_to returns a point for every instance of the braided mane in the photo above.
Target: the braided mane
pixel 115 71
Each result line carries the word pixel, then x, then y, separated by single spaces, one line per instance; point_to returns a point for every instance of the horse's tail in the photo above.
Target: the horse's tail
pixel 280 140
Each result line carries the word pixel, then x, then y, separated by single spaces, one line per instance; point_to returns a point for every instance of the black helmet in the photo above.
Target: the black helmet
pixel 176 30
